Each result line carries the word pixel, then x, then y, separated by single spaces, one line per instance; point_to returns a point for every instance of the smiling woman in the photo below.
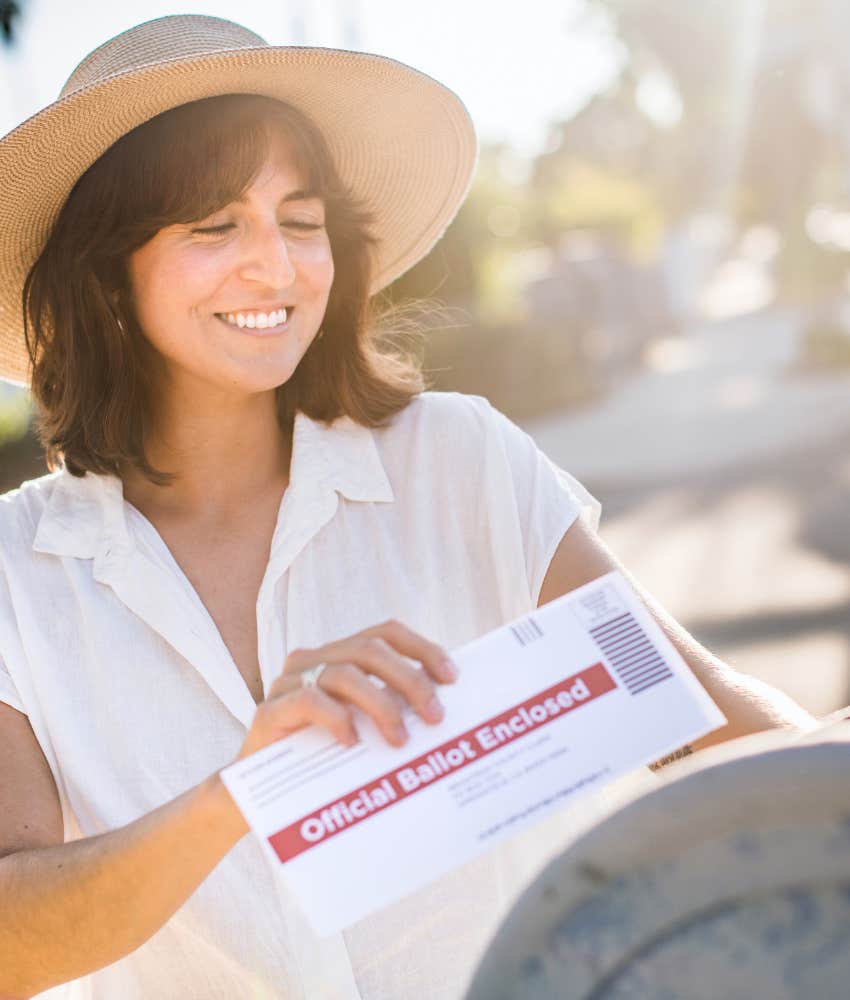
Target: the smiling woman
pixel 256 521
pixel 144 273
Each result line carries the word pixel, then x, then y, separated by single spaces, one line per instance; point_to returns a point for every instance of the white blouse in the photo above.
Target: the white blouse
pixel 446 519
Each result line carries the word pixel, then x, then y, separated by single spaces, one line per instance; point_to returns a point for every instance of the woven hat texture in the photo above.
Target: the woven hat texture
pixel 403 142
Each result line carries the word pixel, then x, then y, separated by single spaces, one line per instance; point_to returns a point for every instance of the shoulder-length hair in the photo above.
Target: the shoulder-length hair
pixel 93 368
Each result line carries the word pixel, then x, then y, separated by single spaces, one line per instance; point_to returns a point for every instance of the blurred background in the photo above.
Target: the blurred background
pixel 650 274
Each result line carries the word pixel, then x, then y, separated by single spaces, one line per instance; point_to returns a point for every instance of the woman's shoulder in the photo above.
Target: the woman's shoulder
pixel 459 424
pixel 438 431
pixel 435 435
pixel 21 510
pixel 445 418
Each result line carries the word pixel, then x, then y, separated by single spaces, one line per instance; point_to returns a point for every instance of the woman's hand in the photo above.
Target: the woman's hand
pixel 345 683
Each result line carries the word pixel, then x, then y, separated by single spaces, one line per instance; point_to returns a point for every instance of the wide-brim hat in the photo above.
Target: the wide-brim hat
pixel 404 143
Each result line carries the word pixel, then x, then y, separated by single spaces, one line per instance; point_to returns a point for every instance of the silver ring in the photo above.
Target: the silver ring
pixel 310 678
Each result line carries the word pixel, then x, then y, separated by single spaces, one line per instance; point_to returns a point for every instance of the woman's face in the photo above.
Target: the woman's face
pixel 210 295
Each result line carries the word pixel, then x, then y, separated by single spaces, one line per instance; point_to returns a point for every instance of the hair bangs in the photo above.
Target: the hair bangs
pixel 192 161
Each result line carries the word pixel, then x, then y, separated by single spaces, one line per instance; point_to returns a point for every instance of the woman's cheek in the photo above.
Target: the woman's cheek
pixel 315 254
pixel 202 272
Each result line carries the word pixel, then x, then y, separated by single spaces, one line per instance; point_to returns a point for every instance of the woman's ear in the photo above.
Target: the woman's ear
pixel 117 307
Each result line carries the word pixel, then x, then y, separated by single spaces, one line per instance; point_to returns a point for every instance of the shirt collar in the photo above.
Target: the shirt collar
pixel 86 515
pixel 343 455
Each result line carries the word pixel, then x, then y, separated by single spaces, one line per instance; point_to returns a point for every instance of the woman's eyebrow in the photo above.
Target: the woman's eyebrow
pixel 298 195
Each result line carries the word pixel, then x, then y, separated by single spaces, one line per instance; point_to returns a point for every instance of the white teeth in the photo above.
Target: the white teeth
pixel 256 321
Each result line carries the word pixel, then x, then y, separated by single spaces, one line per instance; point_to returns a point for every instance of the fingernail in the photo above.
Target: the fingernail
pixel 434 709
pixel 450 667
pixel 400 733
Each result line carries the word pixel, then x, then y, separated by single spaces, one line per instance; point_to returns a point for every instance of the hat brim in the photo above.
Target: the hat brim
pixel 403 142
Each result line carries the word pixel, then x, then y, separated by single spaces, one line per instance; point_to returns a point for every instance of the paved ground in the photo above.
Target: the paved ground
pixel 725 483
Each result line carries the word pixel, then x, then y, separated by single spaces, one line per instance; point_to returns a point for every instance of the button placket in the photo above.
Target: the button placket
pixel 303 515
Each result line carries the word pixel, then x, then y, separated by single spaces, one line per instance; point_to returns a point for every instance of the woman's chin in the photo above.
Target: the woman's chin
pixel 247 383
pixel 268 383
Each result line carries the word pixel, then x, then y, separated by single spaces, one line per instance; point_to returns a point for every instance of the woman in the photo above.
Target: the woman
pixel 254 511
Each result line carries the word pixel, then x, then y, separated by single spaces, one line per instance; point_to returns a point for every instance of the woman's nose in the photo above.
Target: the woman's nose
pixel 267 258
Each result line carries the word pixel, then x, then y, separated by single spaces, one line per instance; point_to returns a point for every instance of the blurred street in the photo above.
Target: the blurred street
pixel 724 475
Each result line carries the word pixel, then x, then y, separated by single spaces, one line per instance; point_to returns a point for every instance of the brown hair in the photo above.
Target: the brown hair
pixel 92 365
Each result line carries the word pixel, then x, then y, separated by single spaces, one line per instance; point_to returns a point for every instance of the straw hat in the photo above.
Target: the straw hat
pixel 404 143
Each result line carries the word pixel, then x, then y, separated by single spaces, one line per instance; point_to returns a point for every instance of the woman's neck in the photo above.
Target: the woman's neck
pixel 225 456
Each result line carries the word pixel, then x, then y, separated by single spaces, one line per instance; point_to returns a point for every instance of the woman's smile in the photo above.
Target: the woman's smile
pixel 260 324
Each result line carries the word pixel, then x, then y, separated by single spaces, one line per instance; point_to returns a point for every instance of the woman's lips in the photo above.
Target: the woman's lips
pixel 242 322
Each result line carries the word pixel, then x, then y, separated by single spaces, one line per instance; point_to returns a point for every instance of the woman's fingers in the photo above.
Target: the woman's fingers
pixel 380 659
pixel 385 652
pixel 279 716
pixel 348 682
pixel 433 657
pixel 375 655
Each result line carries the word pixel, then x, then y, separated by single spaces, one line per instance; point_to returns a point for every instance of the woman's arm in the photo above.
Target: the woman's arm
pixel 77 907
pixel 69 909
pixel 750 705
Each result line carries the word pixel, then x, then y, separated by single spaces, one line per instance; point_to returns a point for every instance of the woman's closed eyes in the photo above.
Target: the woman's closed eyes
pixel 217 230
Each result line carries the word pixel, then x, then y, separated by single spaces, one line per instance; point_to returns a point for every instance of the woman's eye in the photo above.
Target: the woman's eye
pixel 218 230
pixel 213 230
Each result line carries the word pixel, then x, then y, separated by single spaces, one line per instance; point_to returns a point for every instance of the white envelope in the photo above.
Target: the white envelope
pixel 566 698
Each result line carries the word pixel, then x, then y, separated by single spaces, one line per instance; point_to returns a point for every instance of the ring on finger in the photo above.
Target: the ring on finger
pixel 310 678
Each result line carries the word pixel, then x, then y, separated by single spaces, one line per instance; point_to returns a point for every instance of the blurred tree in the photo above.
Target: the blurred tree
pixel 467 265
pixel 576 193
pixel 9 11
pixel 599 171
pixel 762 85
pixel 685 47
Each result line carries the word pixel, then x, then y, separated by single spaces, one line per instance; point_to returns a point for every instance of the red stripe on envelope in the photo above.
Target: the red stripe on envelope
pixel 450 757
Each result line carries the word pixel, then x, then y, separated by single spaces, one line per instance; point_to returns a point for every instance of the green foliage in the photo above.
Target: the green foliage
pixel 15 415
pixel 471 263
pixel 583 195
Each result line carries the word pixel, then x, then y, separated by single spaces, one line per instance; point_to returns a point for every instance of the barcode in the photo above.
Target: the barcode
pixel 527 631
pixel 636 662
